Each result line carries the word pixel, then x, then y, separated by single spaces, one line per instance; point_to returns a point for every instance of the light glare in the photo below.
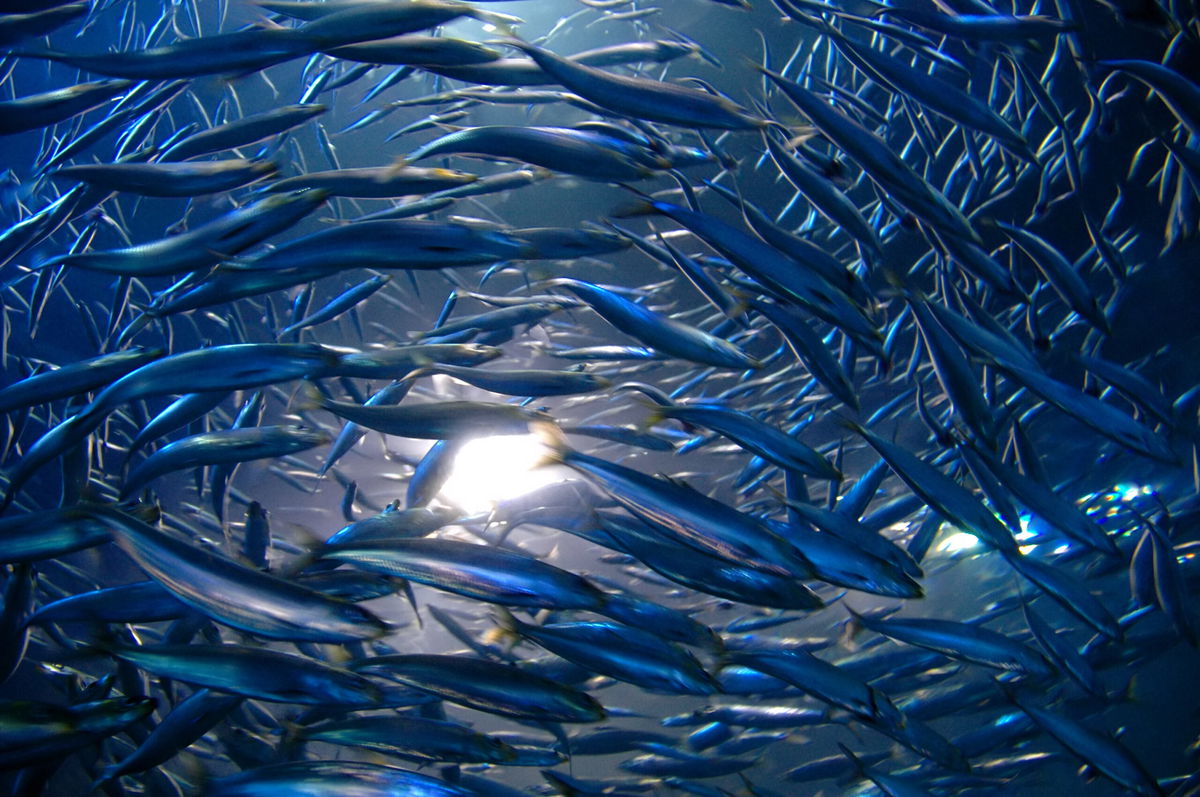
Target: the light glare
pixel 490 469
pixel 958 541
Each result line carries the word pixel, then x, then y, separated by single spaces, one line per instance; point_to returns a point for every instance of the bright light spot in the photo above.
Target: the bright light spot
pixel 1062 548
pixel 491 469
pixel 958 541
pixel 1128 492
pixel 1025 549
pixel 488 27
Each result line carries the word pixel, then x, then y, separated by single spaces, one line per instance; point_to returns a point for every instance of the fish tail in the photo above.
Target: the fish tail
pixel 854 626
pixel 640 207
pixel 554 441
pixel 308 398
pixel 507 632
pixel 109 773
pixel 655 396
pixel 503 22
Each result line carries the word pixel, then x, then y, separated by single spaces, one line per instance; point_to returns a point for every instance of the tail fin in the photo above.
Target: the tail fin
pixel 308 398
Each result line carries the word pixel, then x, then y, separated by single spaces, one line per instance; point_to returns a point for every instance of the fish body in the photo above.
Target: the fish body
pixel 376 182
pixel 487 686
pixel 659 332
pixel 242 132
pixel 692 518
pixel 207 244
pixel 242 597
pixel 171 179
pixel 412 738
pixel 41 110
pixel 256 673
pixel 577 152
pixel 477 571
pixel 332 778
pixel 627 654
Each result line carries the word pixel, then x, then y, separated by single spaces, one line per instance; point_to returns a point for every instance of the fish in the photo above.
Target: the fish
pixel 578 152
pixel 171 179
pixel 333 777
pixel 627 654
pixel 397 243
pixel 51 107
pixel 410 738
pixel 377 182
pixel 236 595
pixel 641 98
pixel 242 132
pixel 434 420
pixel 958 640
pixel 204 246
pixel 663 334
pixel 223 447
pixel 499 689
pixel 35 733
pixel 255 673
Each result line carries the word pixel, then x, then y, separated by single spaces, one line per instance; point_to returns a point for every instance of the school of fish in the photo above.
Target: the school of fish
pixel 855 342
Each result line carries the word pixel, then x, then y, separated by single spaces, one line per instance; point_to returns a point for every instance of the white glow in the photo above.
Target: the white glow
pixel 958 541
pixel 491 469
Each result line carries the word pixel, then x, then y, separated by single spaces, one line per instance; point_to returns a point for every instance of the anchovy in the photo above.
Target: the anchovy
pixel 170 179
pixel 659 332
pixel 1094 748
pixel 691 518
pixel 185 724
pixel 242 132
pixel 752 434
pixel 561 149
pixel 944 495
pixel 222 53
pixel 641 98
pixel 1067 592
pixel 879 161
pixel 351 433
pixel 74 378
pixel 398 243
pixel 476 571
pixel 376 182
pixel 236 595
pixel 342 303
pixel 38 22
pixel 417 49
pixel 256 673
pixel 770 268
pixel 332 778
pixel 140 602
pixel 412 738
pixel 638 657
pixel 223 447
pixel 961 641
pixel 435 420
pixel 37 733
pixel 525 382
pixel 205 245
pixel 706 572
pixel 498 689
pixel 51 107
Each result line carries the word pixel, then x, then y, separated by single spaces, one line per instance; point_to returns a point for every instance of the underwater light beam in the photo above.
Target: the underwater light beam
pixel 490 469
